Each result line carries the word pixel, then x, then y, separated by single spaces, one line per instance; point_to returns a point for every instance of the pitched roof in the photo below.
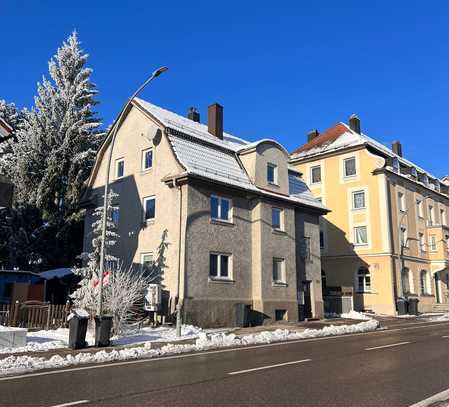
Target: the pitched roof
pixel 204 155
pixel 340 137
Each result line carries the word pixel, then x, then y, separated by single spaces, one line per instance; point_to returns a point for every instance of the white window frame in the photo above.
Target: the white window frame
pixel 119 160
pixel 431 210
pixel 219 255
pixel 422 242
pixel 281 218
pixel 433 243
pixel 396 164
pixel 409 273
pixel 220 199
pixel 420 208
pixel 413 172
pixel 345 160
pixel 275 174
pixel 354 236
pixel 312 182
pixel 354 193
pixel 283 279
pixel 143 168
pixel 145 200
pixel 443 217
pixel 403 238
pixel 365 288
pixel 424 289
pixel 142 256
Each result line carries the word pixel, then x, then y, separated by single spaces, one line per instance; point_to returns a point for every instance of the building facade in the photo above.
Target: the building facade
pixel 387 234
pixel 225 221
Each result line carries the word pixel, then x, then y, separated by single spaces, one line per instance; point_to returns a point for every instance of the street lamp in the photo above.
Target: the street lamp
pixel 155 74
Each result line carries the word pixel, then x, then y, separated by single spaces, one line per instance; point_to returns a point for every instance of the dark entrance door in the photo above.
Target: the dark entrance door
pixel 437 288
pixel 307 299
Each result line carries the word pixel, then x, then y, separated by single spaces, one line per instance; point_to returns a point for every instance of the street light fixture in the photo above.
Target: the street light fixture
pixel 154 75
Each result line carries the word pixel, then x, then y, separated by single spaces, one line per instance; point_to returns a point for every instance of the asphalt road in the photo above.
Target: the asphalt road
pixel 396 367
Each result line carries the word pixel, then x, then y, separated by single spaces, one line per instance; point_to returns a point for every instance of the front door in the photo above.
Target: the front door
pixel 437 288
pixel 307 299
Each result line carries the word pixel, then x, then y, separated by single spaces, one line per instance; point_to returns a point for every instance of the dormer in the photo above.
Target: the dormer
pixel 266 163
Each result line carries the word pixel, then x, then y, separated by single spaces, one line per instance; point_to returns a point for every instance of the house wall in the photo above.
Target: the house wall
pixel 136 237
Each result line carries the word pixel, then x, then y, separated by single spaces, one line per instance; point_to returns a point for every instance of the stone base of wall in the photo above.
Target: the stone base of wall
pixel 222 313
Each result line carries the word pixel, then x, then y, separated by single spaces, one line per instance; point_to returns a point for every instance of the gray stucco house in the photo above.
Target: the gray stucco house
pixel 237 224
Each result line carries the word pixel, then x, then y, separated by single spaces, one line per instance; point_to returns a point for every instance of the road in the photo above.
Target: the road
pixel 396 367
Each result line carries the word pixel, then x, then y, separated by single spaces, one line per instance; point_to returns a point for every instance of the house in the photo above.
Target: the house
pixel 387 234
pixel 18 285
pixel 226 221
pixel 6 187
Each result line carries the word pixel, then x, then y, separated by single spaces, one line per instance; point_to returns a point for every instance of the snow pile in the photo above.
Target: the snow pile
pixel 21 364
pixel 436 318
pixel 349 315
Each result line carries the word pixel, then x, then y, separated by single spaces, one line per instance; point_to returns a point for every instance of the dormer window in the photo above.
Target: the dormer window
pixel 414 172
pixel 396 164
pixel 425 179
pixel 272 174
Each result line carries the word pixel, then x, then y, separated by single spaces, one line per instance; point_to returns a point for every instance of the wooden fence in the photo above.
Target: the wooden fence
pixel 34 314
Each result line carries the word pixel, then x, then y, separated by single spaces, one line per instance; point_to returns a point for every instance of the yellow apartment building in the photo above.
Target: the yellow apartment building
pixel 387 234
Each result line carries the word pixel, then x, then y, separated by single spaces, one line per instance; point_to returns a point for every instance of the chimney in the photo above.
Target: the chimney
pixel 397 148
pixel 215 120
pixel 312 134
pixel 354 123
pixel 193 114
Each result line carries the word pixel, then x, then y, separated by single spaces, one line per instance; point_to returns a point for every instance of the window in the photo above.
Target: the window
pixel 220 208
pixel 358 200
pixel 431 215
pixel 350 169
pixel 321 239
pixel 363 280
pixel 425 180
pixel 360 235
pixel 404 240
pixel 149 205
pixel 147 159
pixel 119 168
pixel 447 243
pixel 433 243
pixel 305 249
pixel 278 271
pixel 146 261
pixel 401 202
pixel 396 164
pixel 419 205
pixel 414 172
pixel 219 266
pixel 443 217
pixel 276 218
pixel 315 175
pixel 115 215
pixel 272 173
pixel 405 281
pixel 422 243
pixel 423 282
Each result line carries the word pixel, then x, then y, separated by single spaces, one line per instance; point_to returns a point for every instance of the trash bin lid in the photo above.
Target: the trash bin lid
pixel 79 313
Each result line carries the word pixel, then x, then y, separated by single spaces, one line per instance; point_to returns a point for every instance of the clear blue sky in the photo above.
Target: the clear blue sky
pixel 278 68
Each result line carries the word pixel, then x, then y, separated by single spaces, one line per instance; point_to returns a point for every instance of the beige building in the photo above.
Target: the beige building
pixel 227 221
pixel 387 234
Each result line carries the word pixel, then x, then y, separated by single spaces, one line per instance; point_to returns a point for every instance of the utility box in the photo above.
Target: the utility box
pixel 153 298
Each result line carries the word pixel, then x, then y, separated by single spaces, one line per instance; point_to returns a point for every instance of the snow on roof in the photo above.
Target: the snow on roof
pixel 341 136
pixel 202 154
pixel 55 273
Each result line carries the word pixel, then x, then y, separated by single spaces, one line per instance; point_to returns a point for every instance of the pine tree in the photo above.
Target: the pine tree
pixel 86 296
pixel 55 147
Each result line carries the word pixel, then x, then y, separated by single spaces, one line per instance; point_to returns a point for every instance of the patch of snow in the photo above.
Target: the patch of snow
pixel 21 364
pixel 350 315
pixel 58 273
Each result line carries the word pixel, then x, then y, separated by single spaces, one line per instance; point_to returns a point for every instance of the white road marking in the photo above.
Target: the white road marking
pixel 388 346
pixel 132 362
pixel 442 396
pixel 270 366
pixel 73 403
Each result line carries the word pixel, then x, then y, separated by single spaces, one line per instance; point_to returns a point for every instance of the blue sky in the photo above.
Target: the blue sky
pixel 278 68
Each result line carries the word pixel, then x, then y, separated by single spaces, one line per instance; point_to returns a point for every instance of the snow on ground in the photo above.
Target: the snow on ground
pixel 435 317
pixel 41 341
pixel 23 363
pixel 350 315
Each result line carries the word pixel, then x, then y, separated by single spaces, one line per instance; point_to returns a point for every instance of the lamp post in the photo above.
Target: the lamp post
pixel 155 74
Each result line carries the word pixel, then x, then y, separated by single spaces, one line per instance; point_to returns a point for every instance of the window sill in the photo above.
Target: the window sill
pixel 148 222
pixel 217 280
pixel 273 184
pixel 349 177
pixel 278 231
pixel 143 172
pixel 426 295
pixel 315 184
pixel 279 284
pixel 361 245
pixel 359 209
pixel 364 292
pixel 222 222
